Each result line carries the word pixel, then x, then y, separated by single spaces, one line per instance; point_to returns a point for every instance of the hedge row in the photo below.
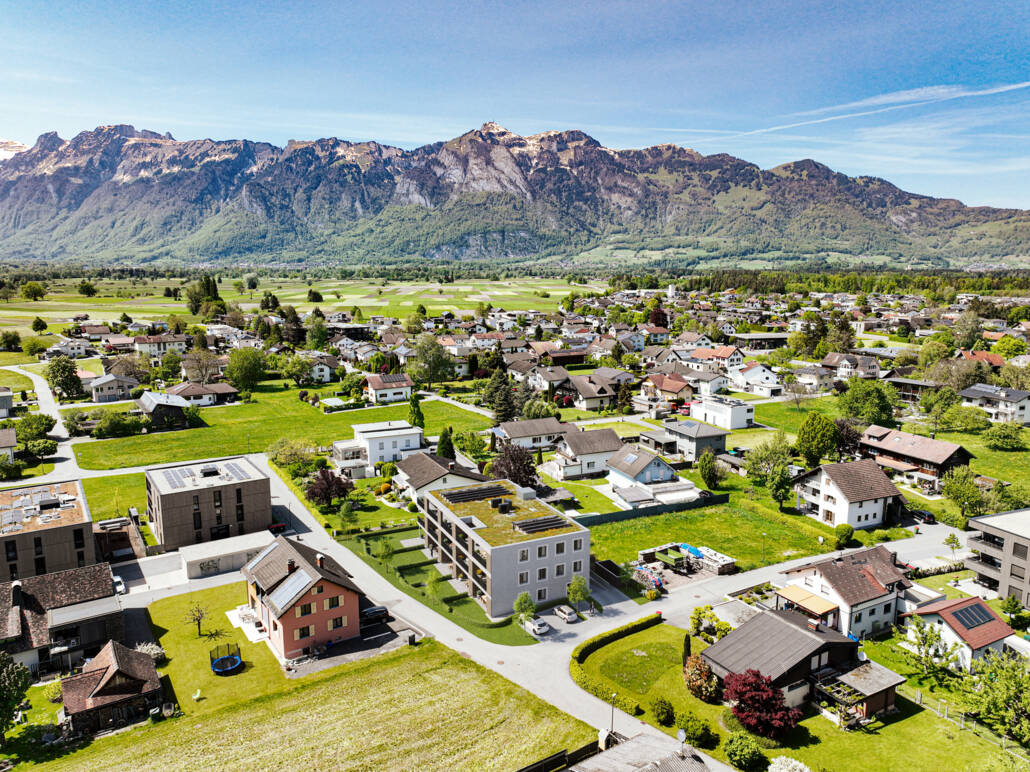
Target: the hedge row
pixel 602 691
pixel 384 531
pixel 588 647
pixel 922 573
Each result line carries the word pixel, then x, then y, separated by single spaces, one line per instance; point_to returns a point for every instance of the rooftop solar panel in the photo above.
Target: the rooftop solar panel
pixel 540 524
pixel 393 378
pixel 173 478
pixel 973 616
pixel 476 494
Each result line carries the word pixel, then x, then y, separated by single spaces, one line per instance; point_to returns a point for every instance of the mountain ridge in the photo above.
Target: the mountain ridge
pixel 121 192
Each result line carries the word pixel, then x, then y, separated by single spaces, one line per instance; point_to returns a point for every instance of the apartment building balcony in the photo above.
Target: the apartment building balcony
pixel 986 545
pixel 984 566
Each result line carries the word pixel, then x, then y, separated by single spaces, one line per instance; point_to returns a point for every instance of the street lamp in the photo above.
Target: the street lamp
pixel 611 728
pixel 763 548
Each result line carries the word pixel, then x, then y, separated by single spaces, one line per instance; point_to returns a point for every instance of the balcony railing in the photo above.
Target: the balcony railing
pixel 986 545
pixel 981 567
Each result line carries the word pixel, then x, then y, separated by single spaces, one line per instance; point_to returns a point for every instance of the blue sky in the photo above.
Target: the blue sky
pixel 932 96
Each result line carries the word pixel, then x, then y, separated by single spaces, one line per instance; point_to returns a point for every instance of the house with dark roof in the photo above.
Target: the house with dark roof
pixel 166 411
pixel 303 599
pixel 688 438
pixel 52 621
pixel 111 387
pixel 858 593
pixel 856 493
pixel 585 453
pixel 999 402
pixel 420 473
pixel 591 392
pixel 532 432
pixel 118 686
pixel 919 460
pixel 665 387
pixel 388 388
pixel 807 661
pixel 969 623
pixel 849 365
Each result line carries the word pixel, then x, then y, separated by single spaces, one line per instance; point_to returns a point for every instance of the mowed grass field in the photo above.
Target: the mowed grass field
pixel 145 300
pixel 417 708
pixel 252 428
pixel 112 496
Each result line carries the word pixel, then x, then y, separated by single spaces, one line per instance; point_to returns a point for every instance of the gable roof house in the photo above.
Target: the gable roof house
pixel 164 410
pixel 855 493
pixel 849 365
pixel 665 388
pixel 727 357
pixel 50 622
pixel 919 460
pixel 592 392
pixel 533 432
pixel 968 622
pixel 756 378
pixel 992 360
pixel 688 438
pixel 806 660
pixel 584 453
pixel 204 394
pixel 1000 403
pixel 858 593
pixel 388 387
pixel 639 478
pixel 303 599
pixel 420 473
pixel 118 686
pixel 112 388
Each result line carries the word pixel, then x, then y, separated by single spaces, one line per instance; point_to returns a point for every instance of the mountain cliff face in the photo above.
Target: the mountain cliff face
pixel 117 192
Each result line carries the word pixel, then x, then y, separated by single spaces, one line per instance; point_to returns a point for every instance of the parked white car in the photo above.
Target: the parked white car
pixel 119 584
pixel 566 614
pixel 535 625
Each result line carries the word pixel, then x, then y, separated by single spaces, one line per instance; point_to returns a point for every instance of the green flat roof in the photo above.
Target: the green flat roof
pixel 498 528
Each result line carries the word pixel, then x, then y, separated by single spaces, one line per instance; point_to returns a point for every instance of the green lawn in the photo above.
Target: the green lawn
pixel 408 709
pixel 590 499
pixel 245 428
pixel 787 416
pixel 575 414
pixel 15 381
pixel 15 358
pixel 112 496
pixel 647 665
pixel 467 613
pixel 940 584
pixel 744 395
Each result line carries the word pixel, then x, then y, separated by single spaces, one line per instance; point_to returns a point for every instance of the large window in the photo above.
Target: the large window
pixel 304 609
pixel 1019 551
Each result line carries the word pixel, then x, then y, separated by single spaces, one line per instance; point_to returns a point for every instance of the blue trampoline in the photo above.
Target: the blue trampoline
pixel 225 659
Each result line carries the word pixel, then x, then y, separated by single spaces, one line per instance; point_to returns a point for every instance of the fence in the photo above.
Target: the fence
pixel 654 509
pixel 955 715
pixel 562 759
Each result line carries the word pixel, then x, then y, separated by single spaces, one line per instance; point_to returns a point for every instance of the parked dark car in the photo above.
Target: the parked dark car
pixel 923 516
pixel 374 615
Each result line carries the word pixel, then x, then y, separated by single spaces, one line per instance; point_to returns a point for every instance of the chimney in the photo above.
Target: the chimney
pixel 450 466
pixel 320 560
pixel 291 566
pixel 15 594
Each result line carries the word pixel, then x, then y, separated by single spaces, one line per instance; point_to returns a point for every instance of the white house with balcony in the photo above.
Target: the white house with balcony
pixel 1001 403
pixel 856 493
pixel 375 443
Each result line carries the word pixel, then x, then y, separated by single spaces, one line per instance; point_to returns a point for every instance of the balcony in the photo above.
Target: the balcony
pixel 995 547
pixel 981 566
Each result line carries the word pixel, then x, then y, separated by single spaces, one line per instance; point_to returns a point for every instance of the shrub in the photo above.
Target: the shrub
pixel 662 711
pixel 698 731
pixel 743 752
pixel 11 470
pixel 388 470
pixel 52 691
pixel 137 392
pixel 843 532
pixel 152 650
pixel 1005 437
pixel 384 488
pixel 700 680
pixel 787 764
pixel 880 534
pixel 758 705
pixel 652 593
pixel 412 506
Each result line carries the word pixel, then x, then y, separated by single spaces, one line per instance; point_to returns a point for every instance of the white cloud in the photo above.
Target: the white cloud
pixel 920 95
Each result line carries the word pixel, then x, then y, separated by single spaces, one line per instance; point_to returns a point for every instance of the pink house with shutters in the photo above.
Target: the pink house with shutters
pixel 303 599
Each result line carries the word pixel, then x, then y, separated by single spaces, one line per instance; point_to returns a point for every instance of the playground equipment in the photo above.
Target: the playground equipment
pixel 225 659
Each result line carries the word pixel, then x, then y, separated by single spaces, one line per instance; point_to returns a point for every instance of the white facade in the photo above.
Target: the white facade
pixel 827 504
pixel 725 413
pixel 860 620
pixel 380 442
pixel 949 637
pixel 388 394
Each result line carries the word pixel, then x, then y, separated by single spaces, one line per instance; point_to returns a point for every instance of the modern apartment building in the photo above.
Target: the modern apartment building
pixel 1000 544
pixel 46 528
pixel 377 443
pixel 724 412
pixel 193 503
pixel 502 541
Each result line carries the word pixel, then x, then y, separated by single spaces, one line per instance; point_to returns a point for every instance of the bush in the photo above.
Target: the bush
pixel 11 470
pixel 743 752
pixel 412 506
pixel 662 711
pixel 699 732
pixel 700 680
pixel 880 534
pixel 137 392
pixel 843 532
pixel 652 593
pixel 384 488
pixel 1005 437
pixel 787 764
pixel 152 650
pixel 388 470
pixel 52 691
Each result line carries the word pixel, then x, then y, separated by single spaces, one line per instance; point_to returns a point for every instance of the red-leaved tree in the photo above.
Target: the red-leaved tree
pixel 515 463
pixel 759 705
pixel 327 486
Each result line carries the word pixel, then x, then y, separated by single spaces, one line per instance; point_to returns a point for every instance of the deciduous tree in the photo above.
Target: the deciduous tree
pixel 430 363
pixel 817 437
pixel 514 462
pixel 14 684
pixel 63 377
pixel 758 705
pixel 245 368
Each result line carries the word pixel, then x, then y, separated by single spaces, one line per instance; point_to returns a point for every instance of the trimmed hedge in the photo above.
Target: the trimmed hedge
pixel 588 647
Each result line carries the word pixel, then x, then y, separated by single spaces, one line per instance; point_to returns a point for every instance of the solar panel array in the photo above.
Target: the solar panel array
pixel 476 494
pixel 236 471
pixel 173 478
pixel 973 616
pixel 393 378
pixel 540 524
pixel 12 516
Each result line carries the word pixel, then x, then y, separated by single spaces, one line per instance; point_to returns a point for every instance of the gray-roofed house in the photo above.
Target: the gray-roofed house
pixel 166 411
pixel 856 493
pixel 639 478
pixel 533 433
pixel 647 753
pixel 688 438
pixel 806 660
pixel 303 599
pixel 420 473
pixel 999 402
pixel 585 453
pixel 111 387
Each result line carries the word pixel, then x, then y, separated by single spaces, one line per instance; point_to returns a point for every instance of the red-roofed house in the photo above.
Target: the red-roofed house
pixel 968 622
pixel 727 356
pixel 116 687
pixel 667 387
pixel 388 388
pixel 994 361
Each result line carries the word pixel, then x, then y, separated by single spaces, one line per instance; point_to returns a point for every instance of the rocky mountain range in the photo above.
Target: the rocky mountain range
pixel 122 193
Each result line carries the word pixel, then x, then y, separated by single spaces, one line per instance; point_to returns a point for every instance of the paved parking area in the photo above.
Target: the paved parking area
pixel 375 639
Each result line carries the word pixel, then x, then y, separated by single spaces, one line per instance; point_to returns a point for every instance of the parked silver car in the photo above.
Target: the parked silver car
pixel 535 625
pixel 566 613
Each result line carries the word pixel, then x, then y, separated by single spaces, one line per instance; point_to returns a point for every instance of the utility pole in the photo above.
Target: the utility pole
pixel 611 728
pixel 763 548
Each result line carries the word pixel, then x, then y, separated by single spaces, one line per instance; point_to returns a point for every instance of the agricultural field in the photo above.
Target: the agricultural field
pixel 144 299
pixel 276 412
pixel 322 721
pixel 648 664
